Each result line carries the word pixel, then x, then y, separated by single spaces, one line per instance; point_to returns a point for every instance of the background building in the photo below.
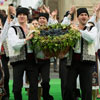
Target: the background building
pixel 65 5
pixel 61 5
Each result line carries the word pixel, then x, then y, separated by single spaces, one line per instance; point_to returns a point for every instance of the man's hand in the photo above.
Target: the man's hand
pixel 97 11
pixel 11 11
pixel 54 14
pixel 42 10
pixel 74 27
pixel 47 9
pixel 73 10
pixel 29 37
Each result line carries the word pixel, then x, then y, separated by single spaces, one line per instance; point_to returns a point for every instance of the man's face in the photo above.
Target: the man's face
pixel 42 21
pixel 83 18
pixel 22 18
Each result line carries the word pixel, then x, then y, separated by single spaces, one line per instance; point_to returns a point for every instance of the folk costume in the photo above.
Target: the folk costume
pixel 22 59
pixel 82 62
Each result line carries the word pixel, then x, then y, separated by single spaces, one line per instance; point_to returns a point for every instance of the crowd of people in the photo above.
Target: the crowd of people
pixel 78 69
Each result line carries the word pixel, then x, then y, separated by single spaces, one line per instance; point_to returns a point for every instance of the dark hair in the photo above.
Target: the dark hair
pixel 1 17
pixel 4 11
pixel 17 7
pixel 11 4
pixel 34 19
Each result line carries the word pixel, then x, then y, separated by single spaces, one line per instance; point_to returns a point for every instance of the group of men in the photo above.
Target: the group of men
pixel 23 58
pixel 79 61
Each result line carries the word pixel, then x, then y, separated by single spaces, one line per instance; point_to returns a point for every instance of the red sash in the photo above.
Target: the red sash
pixel 2 48
pixel 2 51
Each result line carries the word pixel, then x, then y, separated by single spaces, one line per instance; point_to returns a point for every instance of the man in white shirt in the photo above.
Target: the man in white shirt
pixel 69 17
pixel 43 62
pixel 83 59
pixel 21 56
pixel 96 19
pixel 3 42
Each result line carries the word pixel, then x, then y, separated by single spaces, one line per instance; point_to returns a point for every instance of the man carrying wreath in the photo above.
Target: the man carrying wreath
pixel 83 58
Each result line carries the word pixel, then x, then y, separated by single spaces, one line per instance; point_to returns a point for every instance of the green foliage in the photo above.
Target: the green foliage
pixel 56 43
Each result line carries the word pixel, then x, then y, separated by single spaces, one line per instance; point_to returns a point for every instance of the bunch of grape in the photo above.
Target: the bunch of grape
pixel 53 32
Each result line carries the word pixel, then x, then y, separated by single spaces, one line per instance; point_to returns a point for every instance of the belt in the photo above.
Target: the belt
pixel 77 57
pixel 64 58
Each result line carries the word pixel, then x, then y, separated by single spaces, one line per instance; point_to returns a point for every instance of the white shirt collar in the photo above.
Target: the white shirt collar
pixel 17 24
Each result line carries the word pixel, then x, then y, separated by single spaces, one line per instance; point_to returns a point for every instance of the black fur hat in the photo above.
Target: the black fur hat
pixel 22 10
pixel 46 15
pixel 82 10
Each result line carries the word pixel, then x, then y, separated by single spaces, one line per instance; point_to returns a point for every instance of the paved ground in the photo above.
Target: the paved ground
pixel 52 73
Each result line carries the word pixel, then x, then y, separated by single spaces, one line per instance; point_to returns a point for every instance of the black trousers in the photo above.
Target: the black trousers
pixel 4 60
pixel 84 70
pixel 18 71
pixel 43 67
pixel 63 74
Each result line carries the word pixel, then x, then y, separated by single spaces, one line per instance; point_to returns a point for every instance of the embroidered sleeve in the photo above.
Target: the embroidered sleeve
pixel 4 32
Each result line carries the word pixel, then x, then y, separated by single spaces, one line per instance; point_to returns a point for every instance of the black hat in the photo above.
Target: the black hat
pixel 46 15
pixel 82 10
pixel 22 10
